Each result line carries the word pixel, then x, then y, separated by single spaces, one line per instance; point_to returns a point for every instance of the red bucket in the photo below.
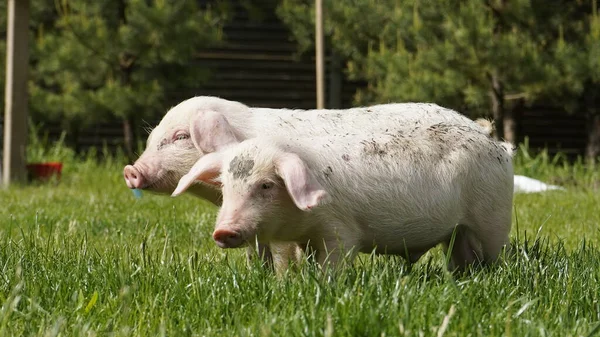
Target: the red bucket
pixel 44 171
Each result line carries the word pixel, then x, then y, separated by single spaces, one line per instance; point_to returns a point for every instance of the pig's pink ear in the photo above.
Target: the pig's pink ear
pixel 210 131
pixel 304 189
pixel 206 170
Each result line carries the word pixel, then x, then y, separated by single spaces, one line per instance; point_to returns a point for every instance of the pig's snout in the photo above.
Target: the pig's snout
pixel 227 238
pixel 133 177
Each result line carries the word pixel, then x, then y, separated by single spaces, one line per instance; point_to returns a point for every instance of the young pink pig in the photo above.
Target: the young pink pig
pixel 396 193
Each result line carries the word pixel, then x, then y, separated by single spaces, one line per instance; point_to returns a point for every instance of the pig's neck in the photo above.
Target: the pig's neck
pixel 205 192
pixel 323 225
pixel 257 121
pixel 243 123
pixel 301 227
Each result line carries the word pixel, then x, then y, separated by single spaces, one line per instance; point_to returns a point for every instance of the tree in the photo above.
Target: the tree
pixel 105 59
pixel 592 85
pixel 577 60
pixel 472 55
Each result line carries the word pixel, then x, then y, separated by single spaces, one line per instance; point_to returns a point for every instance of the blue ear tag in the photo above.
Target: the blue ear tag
pixel 137 193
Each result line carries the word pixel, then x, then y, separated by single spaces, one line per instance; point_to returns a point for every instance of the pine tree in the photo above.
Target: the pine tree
pixel 104 59
pixel 577 58
pixel 471 55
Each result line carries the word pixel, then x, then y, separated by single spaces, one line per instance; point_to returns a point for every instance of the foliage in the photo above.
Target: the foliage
pixel 85 257
pixel 39 149
pixel 41 15
pixel 460 55
pixel 118 58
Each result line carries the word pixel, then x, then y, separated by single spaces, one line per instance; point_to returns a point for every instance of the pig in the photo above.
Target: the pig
pixel 400 192
pixel 204 124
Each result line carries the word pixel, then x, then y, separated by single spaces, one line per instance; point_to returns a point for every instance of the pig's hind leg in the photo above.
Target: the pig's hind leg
pixel 489 220
pixel 464 249
pixel 483 239
pixel 493 233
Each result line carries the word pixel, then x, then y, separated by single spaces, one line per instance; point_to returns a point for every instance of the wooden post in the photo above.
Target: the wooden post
pixel 320 57
pixel 15 111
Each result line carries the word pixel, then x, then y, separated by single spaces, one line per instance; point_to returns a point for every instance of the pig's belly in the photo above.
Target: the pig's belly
pixel 401 243
pixel 401 235
pixel 400 217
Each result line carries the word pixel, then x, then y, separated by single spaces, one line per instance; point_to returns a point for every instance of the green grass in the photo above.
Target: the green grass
pixel 85 258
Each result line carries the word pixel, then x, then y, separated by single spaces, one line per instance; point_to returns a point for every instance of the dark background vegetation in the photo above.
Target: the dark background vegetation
pixel 101 72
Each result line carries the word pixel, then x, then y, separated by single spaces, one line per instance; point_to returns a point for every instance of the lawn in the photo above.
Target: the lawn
pixel 85 258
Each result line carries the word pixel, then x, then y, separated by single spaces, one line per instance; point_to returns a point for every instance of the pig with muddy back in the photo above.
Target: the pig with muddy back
pixel 204 124
pixel 396 193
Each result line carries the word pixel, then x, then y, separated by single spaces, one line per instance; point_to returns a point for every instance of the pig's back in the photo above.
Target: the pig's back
pixel 377 118
pixel 412 181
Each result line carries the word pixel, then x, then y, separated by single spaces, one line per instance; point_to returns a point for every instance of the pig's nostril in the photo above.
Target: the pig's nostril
pixel 231 239
pixel 226 238
pixel 133 177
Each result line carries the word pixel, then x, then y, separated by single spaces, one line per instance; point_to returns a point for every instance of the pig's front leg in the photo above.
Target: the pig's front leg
pixel 332 251
pixel 277 256
pixel 285 254
pixel 260 251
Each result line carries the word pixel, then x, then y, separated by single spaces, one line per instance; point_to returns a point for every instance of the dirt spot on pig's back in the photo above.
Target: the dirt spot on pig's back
pixel 373 148
pixel 240 168
pixel 398 143
pixel 437 142
pixel 450 138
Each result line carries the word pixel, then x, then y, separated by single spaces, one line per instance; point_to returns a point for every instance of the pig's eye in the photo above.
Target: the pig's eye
pixel 162 144
pixel 181 136
pixel 266 186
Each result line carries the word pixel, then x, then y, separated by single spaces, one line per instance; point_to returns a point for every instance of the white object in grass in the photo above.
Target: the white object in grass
pixel 529 185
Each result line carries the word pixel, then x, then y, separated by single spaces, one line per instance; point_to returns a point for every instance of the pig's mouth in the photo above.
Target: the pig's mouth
pixel 165 182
